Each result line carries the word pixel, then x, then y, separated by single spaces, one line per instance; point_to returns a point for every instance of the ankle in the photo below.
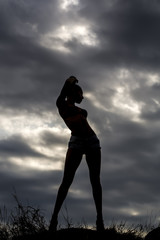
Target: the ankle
pixel 54 217
pixel 53 223
pixel 100 225
pixel 99 217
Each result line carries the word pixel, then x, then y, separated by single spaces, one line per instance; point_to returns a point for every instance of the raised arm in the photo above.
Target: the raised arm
pixel 65 90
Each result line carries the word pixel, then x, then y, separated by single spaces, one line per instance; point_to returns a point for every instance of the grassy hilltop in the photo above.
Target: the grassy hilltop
pixel 27 223
pixel 80 234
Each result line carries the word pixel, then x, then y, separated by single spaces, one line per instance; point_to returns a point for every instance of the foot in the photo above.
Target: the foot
pixel 100 225
pixel 53 225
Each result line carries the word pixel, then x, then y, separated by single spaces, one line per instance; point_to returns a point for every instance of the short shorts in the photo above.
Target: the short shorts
pixel 84 144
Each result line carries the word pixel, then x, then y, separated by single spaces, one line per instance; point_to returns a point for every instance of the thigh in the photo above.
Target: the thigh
pixel 93 159
pixel 73 159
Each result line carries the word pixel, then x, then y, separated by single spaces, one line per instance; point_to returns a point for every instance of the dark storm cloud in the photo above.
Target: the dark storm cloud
pixel 31 76
pixel 24 64
pixel 17 146
pixel 128 31
pixel 50 139
pixel 151 97
pixel 26 184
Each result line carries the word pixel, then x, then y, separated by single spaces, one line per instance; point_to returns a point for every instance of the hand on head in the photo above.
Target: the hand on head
pixel 72 80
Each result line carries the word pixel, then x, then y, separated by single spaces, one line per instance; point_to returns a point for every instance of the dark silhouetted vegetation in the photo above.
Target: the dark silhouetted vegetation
pixel 27 223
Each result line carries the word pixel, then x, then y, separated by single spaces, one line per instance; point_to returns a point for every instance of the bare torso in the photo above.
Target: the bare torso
pixel 75 119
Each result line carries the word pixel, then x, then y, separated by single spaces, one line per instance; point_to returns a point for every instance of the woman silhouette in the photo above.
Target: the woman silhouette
pixel 83 141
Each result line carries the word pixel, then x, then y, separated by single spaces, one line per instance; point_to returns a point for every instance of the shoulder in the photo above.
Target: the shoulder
pixel 65 110
pixel 60 102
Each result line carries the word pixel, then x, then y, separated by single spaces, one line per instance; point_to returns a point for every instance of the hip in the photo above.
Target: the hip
pixel 84 144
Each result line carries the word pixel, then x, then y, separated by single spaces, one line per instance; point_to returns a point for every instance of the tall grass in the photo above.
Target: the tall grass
pixel 23 220
pixel 4 224
pixel 28 220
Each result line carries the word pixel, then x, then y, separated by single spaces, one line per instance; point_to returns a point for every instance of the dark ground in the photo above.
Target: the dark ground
pixel 80 234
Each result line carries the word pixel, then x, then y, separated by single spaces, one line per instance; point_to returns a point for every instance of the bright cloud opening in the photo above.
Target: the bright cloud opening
pixel 29 163
pixel 30 129
pixel 124 103
pixel 153 79
pixel 95 102
pixel 130 211
pixel 65 33
pixel 65 4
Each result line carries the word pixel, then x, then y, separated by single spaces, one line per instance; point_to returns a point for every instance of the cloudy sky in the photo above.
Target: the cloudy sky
pixel 112 47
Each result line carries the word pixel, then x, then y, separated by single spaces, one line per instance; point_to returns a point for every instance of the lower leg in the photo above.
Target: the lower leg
pixel 97 195
pixel 73 159
pixel 62 193
pixel 94 164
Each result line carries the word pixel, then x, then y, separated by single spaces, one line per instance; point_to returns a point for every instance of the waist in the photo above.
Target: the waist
pixel 83 132
pixel 84 138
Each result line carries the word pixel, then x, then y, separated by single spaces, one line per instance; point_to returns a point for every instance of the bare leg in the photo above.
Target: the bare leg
pixel 73 159
pixel 93 159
